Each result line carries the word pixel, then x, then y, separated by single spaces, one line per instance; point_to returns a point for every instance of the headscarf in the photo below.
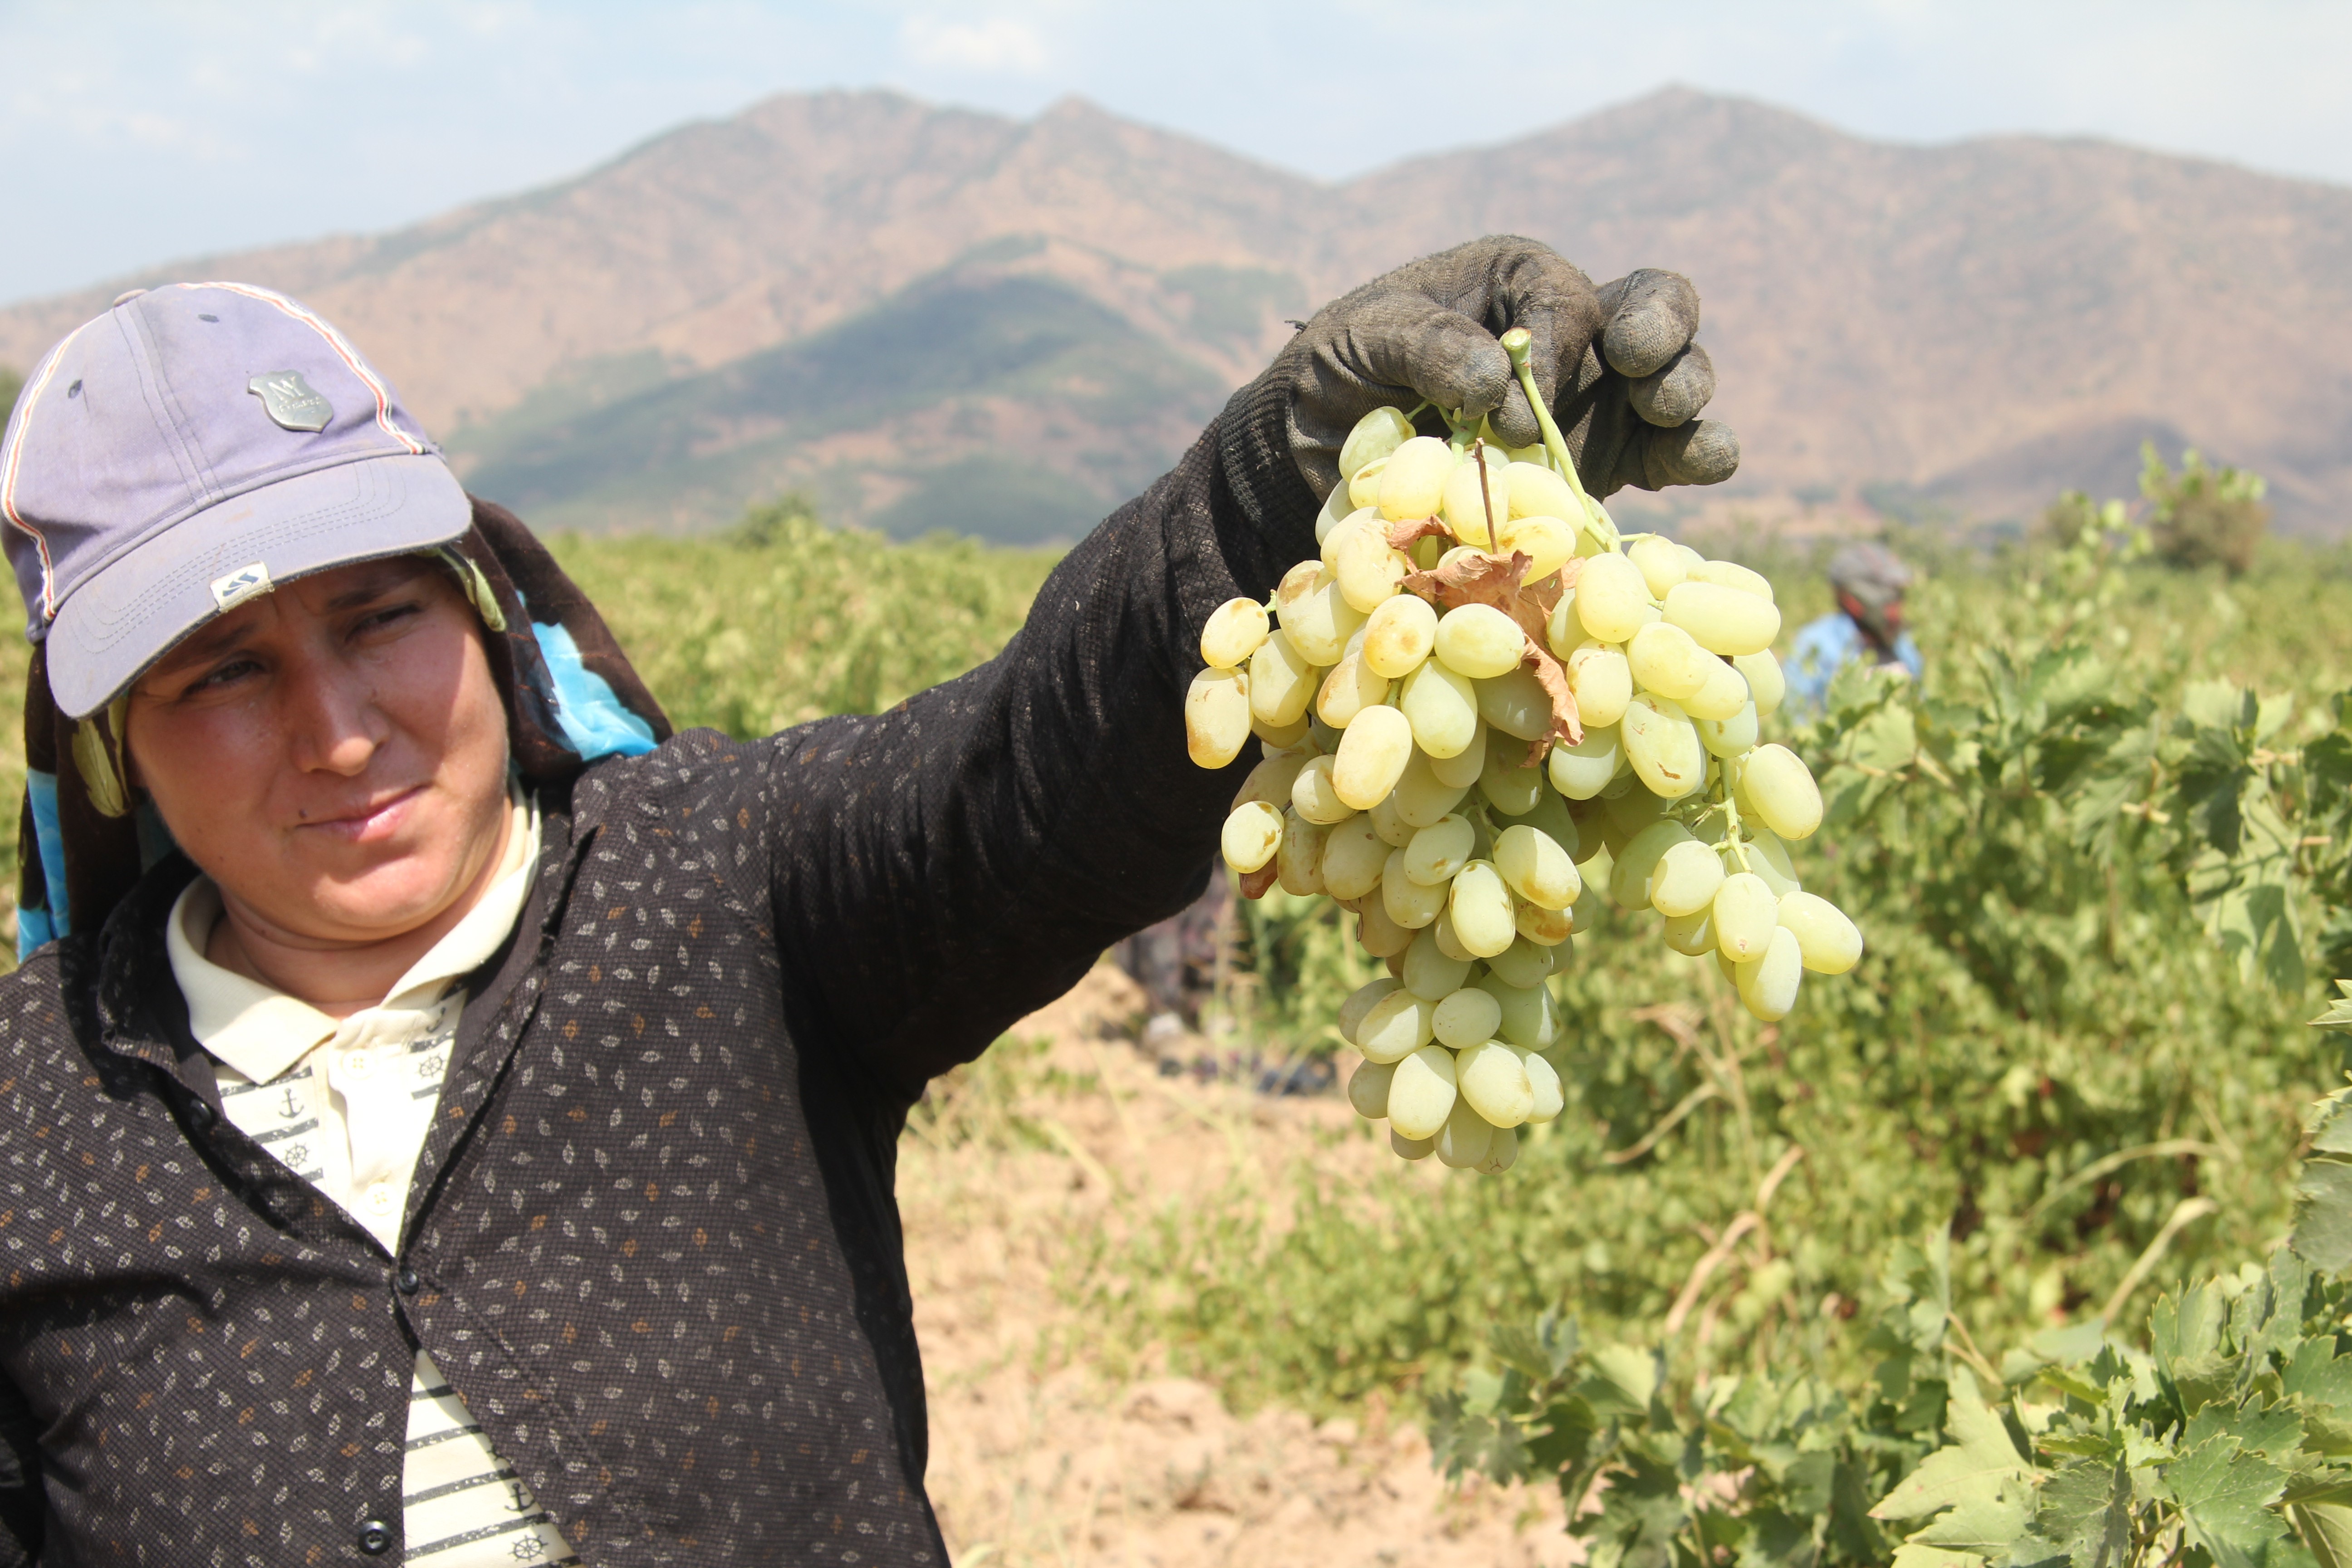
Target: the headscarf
pixel 570 695
pixel 1875 578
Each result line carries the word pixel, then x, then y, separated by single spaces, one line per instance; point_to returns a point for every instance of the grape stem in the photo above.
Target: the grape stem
pixel 1516 343
pixel 1730 805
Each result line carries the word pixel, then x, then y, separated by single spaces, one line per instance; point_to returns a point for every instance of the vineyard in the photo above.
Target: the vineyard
pixel 1755 1274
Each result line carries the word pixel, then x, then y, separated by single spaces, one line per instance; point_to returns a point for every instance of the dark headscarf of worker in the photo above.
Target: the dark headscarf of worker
pixel 85 839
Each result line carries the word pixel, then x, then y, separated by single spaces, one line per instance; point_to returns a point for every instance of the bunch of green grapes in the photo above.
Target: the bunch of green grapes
pixel 1482 709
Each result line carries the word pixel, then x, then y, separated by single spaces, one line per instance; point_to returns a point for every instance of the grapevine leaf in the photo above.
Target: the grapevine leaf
pixel 1911 1554
pixel 1641 1514
pixel 1569 1427
pixel 1566 726
pixel 1624 1377
pixel 2086 1515
pixel 1975 1468
pixel 1777 1540
pixel 1515 1346
pixel 2327 1530
pixel 1406 534
pixel 2323 1227
pixel 2224 1496
pixel 2338 1015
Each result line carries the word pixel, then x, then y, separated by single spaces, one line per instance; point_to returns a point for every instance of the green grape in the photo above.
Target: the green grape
pixel 1589 906
pixel 1543 1081
pixel 1448 942
pixel 1601 680
pixel 1665 660
pixel 1729 737
pixel 1765 682
pixel 1413 485
pixel 1492 1079
pixel 1319 622
pixel 1216 717
pixel 1466 1138
pixel 1336 507
pixel 1376 934
pixel 1479 641
pixel 1612 600
pixel 1537 491
pixel 1280 681
pixel 1745 916
pixel 1420 799
pixel 1373 753
pixel 1484 918
pixel 1516 703
pixel 1534 866
pixel 1528 1015
pixel 1693 935
pixel 1395 1026
pixel 1399 635
pixel 1633 880
pixel 1502 1153
pixel 1723 695
pixel 1369 569
pixel 1353 859
pixel 1364 485
pixel 1723 620
pixel 1407 902
pixel 1271 780
pixel 1662 747
pixel 1550 816
pixel 1232 633
pixel 1466 503
pixel 1662 562
pixel 1546 928
pixel 1729 575
pixel 1395 831
pixel 1312 796
pixel 1251 836
pixel 1509 785
pixel 1444 708
pixel 1524 964
pixel 1463 769
pixel 1583 770
pixel 1439 851
pixel 1829 942
pixel 1279 736
pixel 1376 435
pixel 1781 788
pixel 1359 1002
pixel 1429 974
pixel 1548 542
pixel 1689 875
pixel 1348 689
pixel 1298 859
pixel 1769 858
pixel 1421 1093
pixel 1368 1088
pixel 1405 1147
pixel 1768 983
pixel 1467 1017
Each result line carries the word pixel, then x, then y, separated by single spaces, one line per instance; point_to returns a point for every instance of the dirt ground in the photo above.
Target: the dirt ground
pixel 1038 1456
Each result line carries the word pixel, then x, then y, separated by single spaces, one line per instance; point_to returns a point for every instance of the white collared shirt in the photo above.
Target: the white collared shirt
pixel 345 1104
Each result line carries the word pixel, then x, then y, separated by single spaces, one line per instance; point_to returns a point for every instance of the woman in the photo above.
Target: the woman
pixel 455 1117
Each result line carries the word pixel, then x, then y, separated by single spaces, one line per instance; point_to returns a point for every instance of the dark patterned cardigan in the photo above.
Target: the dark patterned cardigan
pixel 652 1238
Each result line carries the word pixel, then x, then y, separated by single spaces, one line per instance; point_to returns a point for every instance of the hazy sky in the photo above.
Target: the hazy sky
pixel 136 132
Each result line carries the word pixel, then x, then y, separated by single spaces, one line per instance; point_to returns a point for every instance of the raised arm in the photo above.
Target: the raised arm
pixel 944 869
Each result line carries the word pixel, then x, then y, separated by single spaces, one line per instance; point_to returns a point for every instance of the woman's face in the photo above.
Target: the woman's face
pixel 332 754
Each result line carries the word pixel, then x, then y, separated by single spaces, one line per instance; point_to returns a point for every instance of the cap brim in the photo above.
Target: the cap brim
pixel 134 609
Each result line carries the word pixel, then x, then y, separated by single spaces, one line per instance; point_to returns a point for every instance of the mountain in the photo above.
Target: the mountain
pixel 940 318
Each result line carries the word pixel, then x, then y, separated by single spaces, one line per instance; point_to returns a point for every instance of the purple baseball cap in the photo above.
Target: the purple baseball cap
pixel 189 450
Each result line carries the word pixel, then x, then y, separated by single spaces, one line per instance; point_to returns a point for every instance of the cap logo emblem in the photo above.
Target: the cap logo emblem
pixel 246 583
pixel 290 400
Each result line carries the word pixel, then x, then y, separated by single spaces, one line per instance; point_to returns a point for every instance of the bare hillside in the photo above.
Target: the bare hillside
pixel 1970 325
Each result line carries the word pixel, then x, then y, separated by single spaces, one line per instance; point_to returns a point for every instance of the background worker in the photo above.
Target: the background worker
pixel 1867 626
pixel 452 1119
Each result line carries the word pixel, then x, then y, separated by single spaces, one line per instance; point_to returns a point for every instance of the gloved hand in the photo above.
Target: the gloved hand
pixel 1617 363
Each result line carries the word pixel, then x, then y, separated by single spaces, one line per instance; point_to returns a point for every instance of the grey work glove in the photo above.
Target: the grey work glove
pixel 1617 363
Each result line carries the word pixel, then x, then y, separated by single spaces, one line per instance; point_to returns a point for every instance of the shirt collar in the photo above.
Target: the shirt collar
pixel 261 1031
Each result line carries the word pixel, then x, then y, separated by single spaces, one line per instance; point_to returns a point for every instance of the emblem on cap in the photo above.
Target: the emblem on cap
pixel 290 400
pixel 247 583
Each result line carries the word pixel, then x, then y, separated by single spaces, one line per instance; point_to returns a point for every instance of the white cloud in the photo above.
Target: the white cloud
pixel 998 43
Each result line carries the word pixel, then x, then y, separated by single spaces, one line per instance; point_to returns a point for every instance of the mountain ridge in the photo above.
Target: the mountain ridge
pixel 1961 322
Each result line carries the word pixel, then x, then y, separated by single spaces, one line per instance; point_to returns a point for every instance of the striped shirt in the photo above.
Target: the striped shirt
pixel 345 1104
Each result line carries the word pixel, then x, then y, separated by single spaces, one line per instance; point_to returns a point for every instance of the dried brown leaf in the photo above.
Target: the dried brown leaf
pixel 1412 530
pixel 1566 724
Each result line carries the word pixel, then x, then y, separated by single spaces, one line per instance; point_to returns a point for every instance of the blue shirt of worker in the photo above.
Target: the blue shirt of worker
pixel 1824 646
